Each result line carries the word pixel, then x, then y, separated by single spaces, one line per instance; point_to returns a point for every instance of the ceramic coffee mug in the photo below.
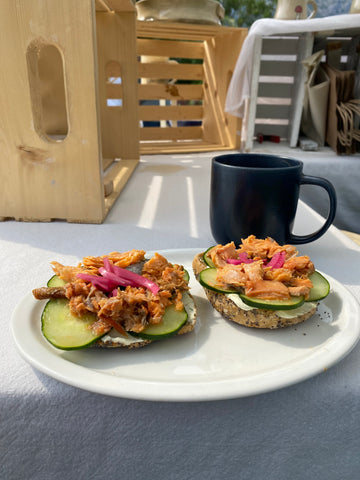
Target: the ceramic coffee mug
pixel 257 194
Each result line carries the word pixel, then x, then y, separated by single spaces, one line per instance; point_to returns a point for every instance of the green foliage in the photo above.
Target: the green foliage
pixel 243 13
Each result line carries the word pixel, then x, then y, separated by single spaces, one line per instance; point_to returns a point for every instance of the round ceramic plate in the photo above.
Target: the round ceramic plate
pixel 218 360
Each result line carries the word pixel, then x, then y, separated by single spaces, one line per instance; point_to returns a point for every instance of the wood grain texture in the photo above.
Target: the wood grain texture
pixel 167 51
pixel 51 162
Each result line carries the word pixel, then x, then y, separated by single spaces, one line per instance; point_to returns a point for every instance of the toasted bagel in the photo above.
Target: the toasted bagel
pixel 115 340
pixel 249 317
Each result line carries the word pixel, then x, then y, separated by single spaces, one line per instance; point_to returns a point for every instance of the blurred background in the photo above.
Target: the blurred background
pixel 242 13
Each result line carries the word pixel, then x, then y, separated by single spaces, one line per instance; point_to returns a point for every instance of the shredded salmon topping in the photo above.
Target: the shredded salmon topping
pixel 131 308
pixel 254 277
pixel 221 253
pixel 92 264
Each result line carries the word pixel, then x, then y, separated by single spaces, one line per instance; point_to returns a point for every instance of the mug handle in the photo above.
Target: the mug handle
pixel 314 6
pixel 309 180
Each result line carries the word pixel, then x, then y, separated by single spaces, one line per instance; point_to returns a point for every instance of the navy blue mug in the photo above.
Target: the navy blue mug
pixel 257 194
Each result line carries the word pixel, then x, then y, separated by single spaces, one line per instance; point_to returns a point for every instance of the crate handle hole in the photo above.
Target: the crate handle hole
pixel 114 97
pixel 47 90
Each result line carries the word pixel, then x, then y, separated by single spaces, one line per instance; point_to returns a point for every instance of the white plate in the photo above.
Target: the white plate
pixel 218 360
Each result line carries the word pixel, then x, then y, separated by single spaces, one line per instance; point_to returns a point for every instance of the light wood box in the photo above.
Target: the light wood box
pixel 65 152
pixel 184 71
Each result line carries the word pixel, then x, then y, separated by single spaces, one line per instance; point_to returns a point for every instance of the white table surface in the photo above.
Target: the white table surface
pixel 50 430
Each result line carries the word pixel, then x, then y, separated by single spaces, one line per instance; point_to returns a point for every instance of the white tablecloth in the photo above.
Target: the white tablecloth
pixel 239 88
pixel 50 430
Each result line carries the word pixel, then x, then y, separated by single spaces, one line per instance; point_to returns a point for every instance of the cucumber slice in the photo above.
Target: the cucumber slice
pixel 55 281
pixel 293 302
pixel 186 276
pixel 207 259
pixel 171 323
pixel 321 287
pixel 207 279
pixel 64 330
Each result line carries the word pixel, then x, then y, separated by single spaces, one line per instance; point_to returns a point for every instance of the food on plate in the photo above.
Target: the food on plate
pixel 261 284
pixel 116 300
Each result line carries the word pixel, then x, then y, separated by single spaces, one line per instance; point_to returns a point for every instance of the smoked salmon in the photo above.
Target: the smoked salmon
pixel 263 268
pixel 127 307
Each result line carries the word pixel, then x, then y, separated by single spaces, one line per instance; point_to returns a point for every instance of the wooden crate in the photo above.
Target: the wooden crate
pixel 277 88
pixel 184 72
pixel 66 153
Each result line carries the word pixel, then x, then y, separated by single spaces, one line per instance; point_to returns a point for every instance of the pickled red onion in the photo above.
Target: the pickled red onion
pixel 243 258
pixel 277 260
pixel 100 283
pixel 112 276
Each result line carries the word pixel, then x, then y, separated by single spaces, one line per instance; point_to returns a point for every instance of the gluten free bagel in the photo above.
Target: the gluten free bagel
pixel 260 284
pixel 231 307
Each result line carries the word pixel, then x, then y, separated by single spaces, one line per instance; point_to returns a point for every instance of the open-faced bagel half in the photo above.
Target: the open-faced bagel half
pixel 232 308
pixel 114 340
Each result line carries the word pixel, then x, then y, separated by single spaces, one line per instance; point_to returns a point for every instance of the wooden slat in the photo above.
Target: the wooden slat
pixel 119 128
pixel 157 71
pixel 182 112
pixel 277 68
pixel 112 69
pixel 170 133
pixel 114 90
pixel 179 31
pixel 114 6
pixel 117 176
pixel 102 6
pixel 169 48
pixel 187 146
pixel 170 92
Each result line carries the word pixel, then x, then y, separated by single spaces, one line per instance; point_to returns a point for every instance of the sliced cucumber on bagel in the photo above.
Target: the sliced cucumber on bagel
pixel 55 281
pixel 207 279
pixel 64 330
pixel 321 287
pixel 207 259
pixel 320 290
pixel 291 303
pixel 173 320
pixel 186 276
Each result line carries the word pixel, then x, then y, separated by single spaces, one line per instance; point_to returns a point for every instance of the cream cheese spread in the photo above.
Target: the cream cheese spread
pixel 294 312
pixel 115 337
